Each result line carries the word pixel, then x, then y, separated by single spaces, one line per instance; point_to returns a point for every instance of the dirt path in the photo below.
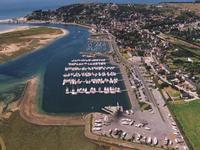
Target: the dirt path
pixel 29 112
pixel 2 144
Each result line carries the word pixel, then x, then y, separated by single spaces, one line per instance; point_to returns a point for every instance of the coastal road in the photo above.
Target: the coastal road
pixel 131 93
pixel 135 67
pixel 148 93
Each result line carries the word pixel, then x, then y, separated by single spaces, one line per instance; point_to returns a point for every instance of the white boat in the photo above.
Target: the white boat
pixel 96 129
pixel 166 141
pixel 149 140
pixel 73 92
pixel 155 141
pixel 97 125
pixel 67 91
pixel 138 137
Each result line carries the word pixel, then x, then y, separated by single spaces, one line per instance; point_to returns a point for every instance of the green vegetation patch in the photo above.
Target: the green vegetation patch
pixel 20 135
pixel 178 58
pixel 18 36
pixel 144 106
pixel 188 50
pixel 188 116
pixel 172 92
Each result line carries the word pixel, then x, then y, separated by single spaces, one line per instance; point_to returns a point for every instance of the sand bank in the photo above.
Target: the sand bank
pixel 29 109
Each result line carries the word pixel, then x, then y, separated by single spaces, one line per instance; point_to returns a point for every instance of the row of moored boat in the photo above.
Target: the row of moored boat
pixel 91 81
pixel 96 68
pixel 93 90
pixel 87 63
pixel 90 74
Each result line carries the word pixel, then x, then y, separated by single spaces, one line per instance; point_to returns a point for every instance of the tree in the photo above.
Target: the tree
pixel 198 88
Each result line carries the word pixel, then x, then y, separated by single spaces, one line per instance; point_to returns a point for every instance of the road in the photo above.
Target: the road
pixel 136 69
pixel 131 94
pixel 149 95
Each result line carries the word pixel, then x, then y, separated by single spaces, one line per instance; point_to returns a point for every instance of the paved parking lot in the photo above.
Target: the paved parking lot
pixel 142 127
pixel 155 126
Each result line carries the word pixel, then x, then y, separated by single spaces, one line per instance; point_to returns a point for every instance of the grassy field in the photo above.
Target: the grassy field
pixel 177 57
pixel 185 6
pixel 18 36
pixel 20 135
pixel 188 115
pixel 182 44
pixel 25 40
pixel 173 92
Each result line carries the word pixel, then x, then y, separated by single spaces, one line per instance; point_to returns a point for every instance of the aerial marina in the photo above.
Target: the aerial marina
pixel 94 45
pixel 115 75
pixel 91 76
pixel 94 82
pixel 127 72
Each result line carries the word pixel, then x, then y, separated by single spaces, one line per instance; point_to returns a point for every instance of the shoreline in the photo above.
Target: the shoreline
pixel 21 28
pixel 62 23
pixel 131 96
pixel 130 92
pixel 29 109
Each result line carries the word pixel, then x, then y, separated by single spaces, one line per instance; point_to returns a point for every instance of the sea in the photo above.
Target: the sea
pixel 49 63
